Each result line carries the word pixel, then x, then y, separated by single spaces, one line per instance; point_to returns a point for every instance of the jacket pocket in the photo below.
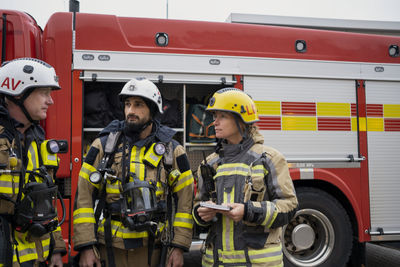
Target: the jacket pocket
pixel 255 237
pixel 255 189
pixel 4 153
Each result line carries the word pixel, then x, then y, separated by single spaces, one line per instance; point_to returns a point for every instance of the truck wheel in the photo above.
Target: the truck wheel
pixel 320 233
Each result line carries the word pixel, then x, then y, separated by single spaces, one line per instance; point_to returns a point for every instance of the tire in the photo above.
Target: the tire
pixel 320 234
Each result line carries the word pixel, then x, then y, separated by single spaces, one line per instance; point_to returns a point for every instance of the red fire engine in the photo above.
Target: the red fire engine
pixel 329 100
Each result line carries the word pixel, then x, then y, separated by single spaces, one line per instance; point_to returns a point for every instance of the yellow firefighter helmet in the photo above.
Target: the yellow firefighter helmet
pixel 236 101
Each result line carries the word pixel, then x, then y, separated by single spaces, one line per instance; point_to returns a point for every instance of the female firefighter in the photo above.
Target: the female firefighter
pixel 29 231
pixel 251 179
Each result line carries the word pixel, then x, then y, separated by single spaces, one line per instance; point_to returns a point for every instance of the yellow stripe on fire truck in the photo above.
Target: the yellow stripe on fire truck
pixel 324 116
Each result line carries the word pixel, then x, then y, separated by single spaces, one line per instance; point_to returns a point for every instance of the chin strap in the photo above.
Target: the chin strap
pixel 243 134
pixel 146 125
pixel 20 103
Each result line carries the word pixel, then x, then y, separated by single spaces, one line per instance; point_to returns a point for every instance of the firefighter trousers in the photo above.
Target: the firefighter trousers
pixel 132 257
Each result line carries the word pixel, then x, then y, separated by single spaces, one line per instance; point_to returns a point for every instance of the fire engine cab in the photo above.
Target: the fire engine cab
pixel 328 100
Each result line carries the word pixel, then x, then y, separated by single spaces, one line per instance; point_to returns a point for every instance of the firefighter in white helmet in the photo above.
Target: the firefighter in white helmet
pixel 29 230
pixel 142 179
pixel 251 179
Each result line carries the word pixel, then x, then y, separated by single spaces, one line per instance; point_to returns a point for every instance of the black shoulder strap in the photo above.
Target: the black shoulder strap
pixel 109 150
pixel 266 166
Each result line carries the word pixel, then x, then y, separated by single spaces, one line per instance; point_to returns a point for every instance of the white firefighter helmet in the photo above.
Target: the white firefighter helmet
pixel 21 74
pixel 144 88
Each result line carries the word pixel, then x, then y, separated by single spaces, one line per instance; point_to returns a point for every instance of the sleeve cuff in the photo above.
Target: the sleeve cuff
pixel 83 247
pixel 246 206
pixel 62 251
pixel 198 219
pixel 185 249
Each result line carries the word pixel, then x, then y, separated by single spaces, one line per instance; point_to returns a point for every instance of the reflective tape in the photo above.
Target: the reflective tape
pixel 232 256
pixel 9 184
pixel 227 223
pixel 85 172
pixel 270 254
pixel 26 250
pixel 136 162
pixel 184 220
pixel 119 230
pixel 84 215
pixel 185 179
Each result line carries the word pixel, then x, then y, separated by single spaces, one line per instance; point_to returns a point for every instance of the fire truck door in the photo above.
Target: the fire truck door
pixel 383 133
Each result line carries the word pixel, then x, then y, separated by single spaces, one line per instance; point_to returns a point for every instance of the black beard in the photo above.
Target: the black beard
pixel 133 128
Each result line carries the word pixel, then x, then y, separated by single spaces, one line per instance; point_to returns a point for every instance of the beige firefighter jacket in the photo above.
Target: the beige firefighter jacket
pixel 122 237
pixel 264 185
pixel 28 247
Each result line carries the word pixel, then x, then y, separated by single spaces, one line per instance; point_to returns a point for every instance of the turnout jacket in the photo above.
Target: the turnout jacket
pixel 88 232
pixel 24 247
pixel 257 176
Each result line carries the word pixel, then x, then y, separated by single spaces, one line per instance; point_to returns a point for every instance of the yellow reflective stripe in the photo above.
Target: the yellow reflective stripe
pixel 85 171
pixel 299 123
pixel 197 222
pixel 391 110
pixel 270 213
pixel 375 124
pixel 85 220
pixel 136 162
pixel 233 166
pixel 113 188
pixel 268 107
pixel 185 179
pixel 58 229
pixel 354 124
pixel 208 259
pixel 9 184
pixel 8 178
pixel 183 220
pixel 161 227
pixel 227 223
pixel 183 225
pixel 83 210
pixel 269 254
pixel 226 173
pixel 160 189
pixel 258 170
pixel 232 256
pixel 333 109
pixel 84 215
pixel 183 215
pixel 33 160
pixel 26 250
pixel 274 214
pixel 46 247
pixel 232 169
pixel 362 123
pixel 118 230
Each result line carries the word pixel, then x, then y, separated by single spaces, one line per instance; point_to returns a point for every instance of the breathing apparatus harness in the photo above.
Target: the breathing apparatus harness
pixel 139 209
pixel 35 206
pixel 35 209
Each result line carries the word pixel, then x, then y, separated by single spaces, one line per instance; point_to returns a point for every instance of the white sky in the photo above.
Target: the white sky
pixel 215 10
